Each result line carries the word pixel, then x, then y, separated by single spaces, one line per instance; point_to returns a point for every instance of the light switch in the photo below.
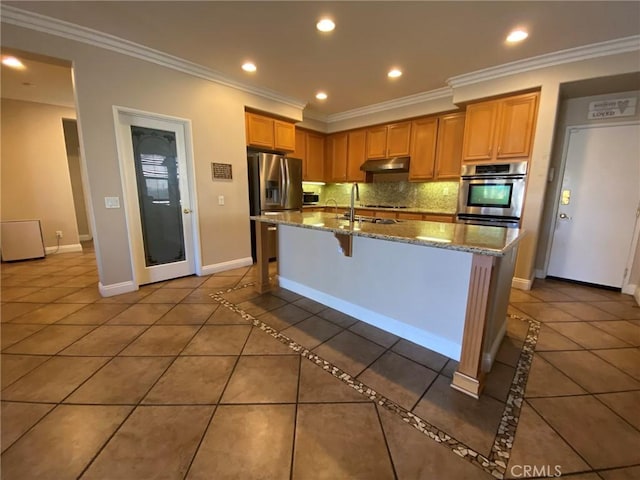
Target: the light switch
pixel 220 199
pixel 112 202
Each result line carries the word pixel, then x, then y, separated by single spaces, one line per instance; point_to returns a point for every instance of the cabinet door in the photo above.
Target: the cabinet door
pixel 479 131
pixel 337 156
pixel 356 155
pixel 301 146
pixel 398 139
pixel 377 142
pixel 516 126
pixel 284 136
pixel 259 130
pixel 423 148
pixel 432 217
pixel 315 158
pixel 409 216
pixel 449 150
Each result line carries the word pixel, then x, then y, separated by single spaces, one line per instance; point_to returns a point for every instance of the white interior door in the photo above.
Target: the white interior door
pixel 598 205
pixel 158 197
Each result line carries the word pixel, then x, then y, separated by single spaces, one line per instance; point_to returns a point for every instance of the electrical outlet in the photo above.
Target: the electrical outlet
pixel 58 233
pixel 220 199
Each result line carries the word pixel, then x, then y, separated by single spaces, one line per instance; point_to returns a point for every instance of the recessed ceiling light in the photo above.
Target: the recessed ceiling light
pixel 249 67
pixel 517 36
pixel 12 62
pixel 321 96
pixel 325 25
pixel 394 73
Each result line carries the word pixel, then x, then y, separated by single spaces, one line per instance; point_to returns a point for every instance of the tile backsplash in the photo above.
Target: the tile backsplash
pixel 441 197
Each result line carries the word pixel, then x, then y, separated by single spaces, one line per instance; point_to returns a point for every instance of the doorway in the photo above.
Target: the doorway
pixel 158 196
pixel 596 222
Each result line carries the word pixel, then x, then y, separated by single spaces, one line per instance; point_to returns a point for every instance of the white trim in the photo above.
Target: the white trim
pixel 224 266
pixel 540 273
pixel 428 340
pixel 73 248
pixel 116 288
pixel 631 289
pixel 570 55
pixel 489 357
pixel 636 294
pixel 78 33
pixel 85 237
pixel 522 283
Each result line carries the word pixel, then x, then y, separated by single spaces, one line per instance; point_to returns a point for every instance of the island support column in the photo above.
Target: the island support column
pixel 262 251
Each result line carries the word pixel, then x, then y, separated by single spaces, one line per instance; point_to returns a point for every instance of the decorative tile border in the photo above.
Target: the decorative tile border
pixel 496 462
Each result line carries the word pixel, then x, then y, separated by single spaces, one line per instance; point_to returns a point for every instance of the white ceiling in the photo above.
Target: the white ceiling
pixel 429 41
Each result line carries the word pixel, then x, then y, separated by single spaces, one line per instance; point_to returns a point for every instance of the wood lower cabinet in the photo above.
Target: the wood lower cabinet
pixel 389 140
pixel 270 133
pixel 409 216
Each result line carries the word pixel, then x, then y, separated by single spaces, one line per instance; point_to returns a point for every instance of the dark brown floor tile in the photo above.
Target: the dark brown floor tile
pixel 549 295
pixel 217 282
pixel 167 295
pixel 192 380
pixel 422 355
pixel 624 404
pixel 107 340
pixel 433 459
pixel 261 343
pixel 48 294
pixel 341 319
pixel 50 340
pixel 545 380
pixel 61 445
pixel 93 314
pixel 9 311
pixel 141 314
pixel 310 305
pixel 583 293
pixel 124 380
pixel 188 314
pixel 626 359
pixel 17 418
pixel 590 372
pixel 131 297
pixel 341 440
pixel 226 316
pixel 266 379
pixel 374 334
pixel 536 443
pixel 626 311
pixel 218 340
pixel 449 368
pixel 622 329
pixel 629 473
pixel 49 313
pixel 584 311
pixel 53 380
pixel 285 294
pixel 498 381
pixel 241 295
pixel 81 281
pixel 161 340
pixel 201 296
pixel 550 339
pixel 349 352
pixel 262 304
pixel 88 294
pixel 509 351
pixel 545 312
pixel 473 422
pixel 318 385
pixel 15 366
pixel 601 437
pixel 155 442
pixel 246 442
pixel 283 317
pixel 191 281
pixel 10 334
pixel 397 378
pixel 311 332
pixel 586 335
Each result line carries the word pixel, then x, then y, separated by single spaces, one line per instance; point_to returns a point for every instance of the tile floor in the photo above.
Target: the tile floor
pixel 167 382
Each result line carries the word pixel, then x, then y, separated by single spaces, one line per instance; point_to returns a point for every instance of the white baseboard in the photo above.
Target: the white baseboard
pixel 116 288
pixel 630 289
pixel 540 273
pixel 85 238
pixel 522 283
pixel 223 266
pixel 636 295
pixel 489 357
pixel 74 248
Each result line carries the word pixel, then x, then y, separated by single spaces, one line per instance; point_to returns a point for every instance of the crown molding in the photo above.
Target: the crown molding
pixel 570 55
pixel 314 115
pixel 71 31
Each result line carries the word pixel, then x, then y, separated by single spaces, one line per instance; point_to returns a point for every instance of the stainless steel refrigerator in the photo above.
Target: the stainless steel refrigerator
pixel 275 184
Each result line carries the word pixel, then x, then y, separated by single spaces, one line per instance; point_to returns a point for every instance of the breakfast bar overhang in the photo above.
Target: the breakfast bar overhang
pixel 440 285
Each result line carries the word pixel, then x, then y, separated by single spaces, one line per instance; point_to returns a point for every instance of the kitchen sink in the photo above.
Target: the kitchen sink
pixel 383 221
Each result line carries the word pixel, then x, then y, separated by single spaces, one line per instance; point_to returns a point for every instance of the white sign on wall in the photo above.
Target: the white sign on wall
pixel 622 107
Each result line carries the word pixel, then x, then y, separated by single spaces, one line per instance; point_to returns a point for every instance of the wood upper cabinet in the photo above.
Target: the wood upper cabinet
pixel 356 155
pixel 313 166
pixel 449 146
pixel 301 145
pixel 423 148
pixel 500 129
pixel 389 140
pixel 337 145
pixel 263 131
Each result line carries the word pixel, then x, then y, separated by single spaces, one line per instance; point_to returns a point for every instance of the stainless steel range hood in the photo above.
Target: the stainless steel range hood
pixel 386 165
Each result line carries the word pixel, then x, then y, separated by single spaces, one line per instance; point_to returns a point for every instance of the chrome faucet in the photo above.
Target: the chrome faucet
pixel 354 188
pixel 335 204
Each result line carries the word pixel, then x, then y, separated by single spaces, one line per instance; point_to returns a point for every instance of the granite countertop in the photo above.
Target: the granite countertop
pixel 495 241
pixel 380 209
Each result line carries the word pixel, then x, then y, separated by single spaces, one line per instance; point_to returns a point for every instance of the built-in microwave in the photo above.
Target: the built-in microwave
pixel 310 198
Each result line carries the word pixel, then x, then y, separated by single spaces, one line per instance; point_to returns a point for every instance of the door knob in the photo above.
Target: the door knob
pixel 186 210
pixel 563 216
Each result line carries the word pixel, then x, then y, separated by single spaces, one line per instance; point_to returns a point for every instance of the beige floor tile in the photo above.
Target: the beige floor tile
pixel 536 443
pixel 17 418
pixel 264 379
pixel 262 304
pixel 626 359
pixel 50 313
pixel 310 305
pixel 285 316
pixel 81 281
pixel 84 295
pixel 545 312
pixel 161 340
pixel 187 314
pixel 15 366
pixel 399 379
pixel 261 343
pixel 433 460
pixel 241 295
pixel 517 328
pixel 50 340
pixel 192 380
pixel 624 404
pixel 53 380
pixel 374 334
pixel 217 282
pixel 498 381
pixel 167 295
pixel 10 334
pixel 586 335
pixel 124 380
pixel 601 437
pixel 629 473
pixel 141 314
pixel 9 311
pixel 62 445
pixel 107 340
pixel 622 329
pixel 627 311
pixel 51 280
pixel 341 319
pixel 155 442
pixel 15 293
pixel 192 281
pixel 311 332
pixel 246 442
pixel 341 440
pixel 349 352
pixel 226 316
pixel 131 297
pixel 235 272
pixel 424 356
pixel 48 294
pixel 201 296
pixel 549 295
pixel 93 314
pixel 582 293
pixel 550 339
pixel 584 311
pixel 317 385
pixel 547 381
pixel 590 372
pixel 473 422
pixel 218 340
pixel 522 296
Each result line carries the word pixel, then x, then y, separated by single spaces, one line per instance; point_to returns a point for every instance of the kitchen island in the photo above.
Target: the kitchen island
pixel 443 286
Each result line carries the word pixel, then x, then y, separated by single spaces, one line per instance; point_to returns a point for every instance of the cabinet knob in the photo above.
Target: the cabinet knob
pixel 499 150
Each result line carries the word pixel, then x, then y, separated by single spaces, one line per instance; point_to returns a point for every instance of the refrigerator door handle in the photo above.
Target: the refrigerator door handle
pixel 284 180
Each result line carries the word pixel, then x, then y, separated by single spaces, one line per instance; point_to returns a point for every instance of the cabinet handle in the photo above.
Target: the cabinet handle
pixel 499 149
